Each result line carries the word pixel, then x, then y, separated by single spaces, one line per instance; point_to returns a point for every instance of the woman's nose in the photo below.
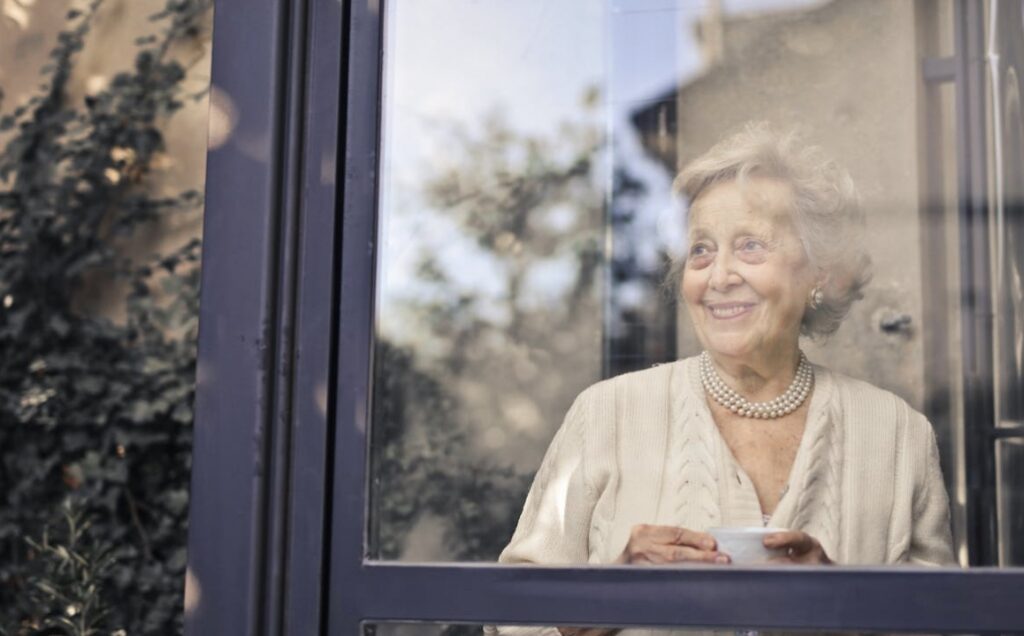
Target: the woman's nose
pixel 722 275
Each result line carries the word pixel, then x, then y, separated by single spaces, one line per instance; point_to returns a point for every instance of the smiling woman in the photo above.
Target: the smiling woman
pixel 755 434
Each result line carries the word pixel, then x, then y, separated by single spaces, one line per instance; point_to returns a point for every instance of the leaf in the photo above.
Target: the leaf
pixel 62 553
pixel 59 326
pixel 89 384
pixel 139 412
pixel 177 560
pixel 182 413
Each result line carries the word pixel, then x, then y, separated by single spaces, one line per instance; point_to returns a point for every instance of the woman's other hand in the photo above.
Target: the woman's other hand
pixel 669 544
pixel 800 547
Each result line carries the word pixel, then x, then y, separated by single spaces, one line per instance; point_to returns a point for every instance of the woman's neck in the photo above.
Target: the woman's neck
pixel 759 378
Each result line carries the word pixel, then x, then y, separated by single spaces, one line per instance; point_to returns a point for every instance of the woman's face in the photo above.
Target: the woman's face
pixel 746 279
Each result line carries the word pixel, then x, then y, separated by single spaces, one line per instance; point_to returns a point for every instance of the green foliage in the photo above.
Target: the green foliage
pixel 66 577
pixel 90 406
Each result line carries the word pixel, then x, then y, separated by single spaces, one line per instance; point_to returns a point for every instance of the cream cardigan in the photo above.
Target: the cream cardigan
pixel 643 448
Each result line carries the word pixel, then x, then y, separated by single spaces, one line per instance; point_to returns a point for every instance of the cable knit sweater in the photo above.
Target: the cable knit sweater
pixel 643 448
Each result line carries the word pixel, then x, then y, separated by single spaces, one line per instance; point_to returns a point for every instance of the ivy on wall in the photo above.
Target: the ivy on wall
pixel 95 413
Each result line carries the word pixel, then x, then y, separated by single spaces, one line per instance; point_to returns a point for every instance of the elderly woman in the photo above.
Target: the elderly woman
pixel 749 432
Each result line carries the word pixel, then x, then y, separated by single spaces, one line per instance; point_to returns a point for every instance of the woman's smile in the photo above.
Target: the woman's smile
pixel 729 310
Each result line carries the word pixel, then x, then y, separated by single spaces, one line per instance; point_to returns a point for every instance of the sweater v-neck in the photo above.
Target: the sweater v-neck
pixel 737 501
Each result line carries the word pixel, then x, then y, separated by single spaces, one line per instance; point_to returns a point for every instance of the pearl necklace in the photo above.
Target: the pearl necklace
pixel 780 406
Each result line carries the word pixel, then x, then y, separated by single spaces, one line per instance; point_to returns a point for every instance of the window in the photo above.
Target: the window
pixel 528 222
pixel 506 222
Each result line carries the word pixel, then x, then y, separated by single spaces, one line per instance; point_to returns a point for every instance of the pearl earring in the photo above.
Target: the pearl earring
pixel 816 298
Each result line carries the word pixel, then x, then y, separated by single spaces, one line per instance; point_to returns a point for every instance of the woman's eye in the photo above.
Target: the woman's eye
pixel 700 255
pixel 750 245
pixel 700 249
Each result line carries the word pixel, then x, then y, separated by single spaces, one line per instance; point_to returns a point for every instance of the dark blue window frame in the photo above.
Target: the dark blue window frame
pixel 279 504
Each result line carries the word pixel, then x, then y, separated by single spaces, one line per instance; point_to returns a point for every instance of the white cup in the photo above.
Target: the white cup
pixel 745 545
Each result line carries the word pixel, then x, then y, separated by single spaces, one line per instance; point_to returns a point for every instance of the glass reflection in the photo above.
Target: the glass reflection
pixel 490 309
pixel 528 222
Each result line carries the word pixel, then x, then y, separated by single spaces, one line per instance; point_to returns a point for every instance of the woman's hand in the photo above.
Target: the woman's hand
pixel 800 548
pixel 669 544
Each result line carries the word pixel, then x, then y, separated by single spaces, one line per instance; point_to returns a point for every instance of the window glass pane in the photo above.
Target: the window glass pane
pixel 1007 40
pixel 536 237
pixel 1011 501
pixel 1009 219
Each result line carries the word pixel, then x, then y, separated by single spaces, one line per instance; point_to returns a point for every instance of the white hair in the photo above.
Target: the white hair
pixel 826 210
